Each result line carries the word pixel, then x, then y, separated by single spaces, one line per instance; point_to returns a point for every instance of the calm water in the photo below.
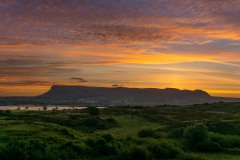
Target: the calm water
pixel 39 107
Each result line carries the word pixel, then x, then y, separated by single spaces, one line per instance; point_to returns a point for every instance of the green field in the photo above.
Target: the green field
pixel 198 132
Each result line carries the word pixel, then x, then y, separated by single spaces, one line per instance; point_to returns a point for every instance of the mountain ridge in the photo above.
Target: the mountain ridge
pixel 130 96
pixel 116 96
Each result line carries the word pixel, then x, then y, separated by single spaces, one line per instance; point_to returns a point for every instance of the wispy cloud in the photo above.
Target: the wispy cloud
pixel 78 79
pixel 157 43
pixel 117 85
pixel 123 21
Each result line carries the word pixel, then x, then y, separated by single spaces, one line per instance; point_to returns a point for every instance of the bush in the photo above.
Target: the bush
pixel 224 127
pixel 226 141
pixel 19 149
pixel 196 133
pixel 91 122
pixel 135 152
pixel 35 149
pixel 8 111
pixel 100 147
pixel 2 112
pixel 93 111
pixel 208 146
pixel 185 156
pixel 147 133
pixel 235 151
pixel 176 133
pixel 108 137
pixel 66 132
pixel 44 108
pixel 104 148
pixel 5 112
pixel 73 148
pixel 110 120
pixel 164 150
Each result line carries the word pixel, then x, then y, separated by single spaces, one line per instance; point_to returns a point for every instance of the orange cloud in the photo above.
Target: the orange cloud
pixel 136 43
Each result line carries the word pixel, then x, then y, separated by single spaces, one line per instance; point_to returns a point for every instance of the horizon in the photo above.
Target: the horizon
pixel 191 45
pixel 111 87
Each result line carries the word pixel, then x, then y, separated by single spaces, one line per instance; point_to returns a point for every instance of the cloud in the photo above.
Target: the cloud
pixel 117 22
pixel 117 85
pixel 20 44
pixel 49 41
pixel 26 82
pixel 79 79
pixel 34 70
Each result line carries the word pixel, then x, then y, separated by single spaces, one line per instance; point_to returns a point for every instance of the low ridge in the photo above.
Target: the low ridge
pixel 128 96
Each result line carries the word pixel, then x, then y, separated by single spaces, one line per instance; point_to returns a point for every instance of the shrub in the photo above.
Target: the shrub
pixel 146 133
pixel 66 132
pixel 224 127
pixel 73 148
pixel 188 156
pixel 176 133
pixel 100 147
pixel 208 146
pixel 8 111
pixel 135 152
pixel 110 120
pixel 44 108
pixel 1 112
pixel 196 133
pixel 19 149
pixel 93 111
pixel 109 123
pixel 104 148
pixel 37 150
pixel 91 122
pixel 234 151
pixel 108 137
pixel 164 150
pixel 227 141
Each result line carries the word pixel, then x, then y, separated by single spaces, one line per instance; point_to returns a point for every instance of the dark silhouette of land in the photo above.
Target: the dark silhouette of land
pixel 118 96
pixel 131 96
pixel 84 95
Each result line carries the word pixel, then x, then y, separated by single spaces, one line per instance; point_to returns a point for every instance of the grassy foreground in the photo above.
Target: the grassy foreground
pixel 199 132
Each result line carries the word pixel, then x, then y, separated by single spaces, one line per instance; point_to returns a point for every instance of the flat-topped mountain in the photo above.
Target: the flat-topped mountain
pixel 128 96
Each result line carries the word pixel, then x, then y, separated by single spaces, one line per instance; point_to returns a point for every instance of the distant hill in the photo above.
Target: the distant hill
pixel 128 96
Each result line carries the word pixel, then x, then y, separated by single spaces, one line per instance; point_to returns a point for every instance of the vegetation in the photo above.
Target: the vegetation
pixel 124 133
pixel 195 134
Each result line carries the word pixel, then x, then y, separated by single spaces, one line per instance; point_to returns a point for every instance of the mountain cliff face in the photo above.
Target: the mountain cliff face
pixel 127 96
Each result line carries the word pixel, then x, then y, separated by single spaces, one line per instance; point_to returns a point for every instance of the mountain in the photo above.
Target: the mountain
pixel 128 96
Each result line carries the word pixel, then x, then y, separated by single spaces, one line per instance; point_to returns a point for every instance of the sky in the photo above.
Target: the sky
pixel 185 44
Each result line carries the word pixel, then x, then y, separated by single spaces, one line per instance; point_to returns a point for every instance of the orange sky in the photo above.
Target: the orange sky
pixel 135 43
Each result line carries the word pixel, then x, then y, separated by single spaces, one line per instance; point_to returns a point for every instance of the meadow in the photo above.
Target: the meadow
pixel 197 132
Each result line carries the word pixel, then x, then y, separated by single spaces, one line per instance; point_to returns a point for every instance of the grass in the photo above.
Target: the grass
pixel 78 132
pixel 129 126
pixel 219 156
